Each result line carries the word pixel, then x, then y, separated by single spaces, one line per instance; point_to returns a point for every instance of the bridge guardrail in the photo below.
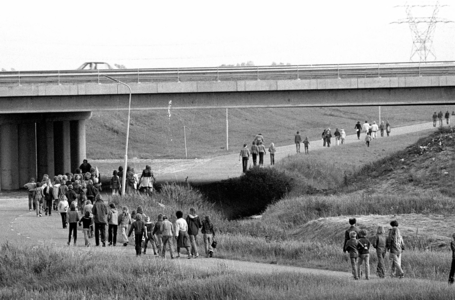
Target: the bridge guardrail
pixel 288 72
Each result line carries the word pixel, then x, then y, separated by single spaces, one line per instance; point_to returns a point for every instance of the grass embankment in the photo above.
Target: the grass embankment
pixel 154 135
pixel 48 273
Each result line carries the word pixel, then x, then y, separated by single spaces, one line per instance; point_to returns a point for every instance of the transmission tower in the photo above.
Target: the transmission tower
pixel 422 29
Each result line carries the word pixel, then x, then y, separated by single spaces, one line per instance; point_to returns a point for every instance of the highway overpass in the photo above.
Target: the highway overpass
pixel 43 113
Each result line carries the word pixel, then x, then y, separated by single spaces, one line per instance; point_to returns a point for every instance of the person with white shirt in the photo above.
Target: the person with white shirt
pixel 181 234
pixel 374 129
pixel 365 127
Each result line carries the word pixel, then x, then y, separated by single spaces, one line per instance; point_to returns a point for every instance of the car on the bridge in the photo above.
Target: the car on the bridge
pixel 95 65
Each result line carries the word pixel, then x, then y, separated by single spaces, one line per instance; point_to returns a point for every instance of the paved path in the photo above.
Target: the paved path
pixel 228 166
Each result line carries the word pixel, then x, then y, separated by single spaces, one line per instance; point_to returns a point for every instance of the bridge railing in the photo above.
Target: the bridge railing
pixel 282 72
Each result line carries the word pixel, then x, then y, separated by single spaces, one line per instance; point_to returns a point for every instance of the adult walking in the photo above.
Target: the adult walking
pixel 440 114
pixel 254 153
pixel 244 155
pixel 262 151
pixel 380 245
pixel 435 117
pixel 85 166
pixel 388 128
pixel 337 135
pixel 297 140
pixel 146 181
pixel 447 117
pixel 100 218
pixel 382 128
pixel 358 129
pixel 328 137
pixel 366 127
pixel 343 136
pixel 272 151
pixel 194 223
pixel 395 245
pixel 323 137
pixel 131 182
pixel 374 130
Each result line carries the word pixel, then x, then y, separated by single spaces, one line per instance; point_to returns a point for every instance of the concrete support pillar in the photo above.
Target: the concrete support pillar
pixel 9 156
pixel 27 152
pixel 50 148
pixel 41 143
pixel 66 143
pixel 78 143
pixel 62 149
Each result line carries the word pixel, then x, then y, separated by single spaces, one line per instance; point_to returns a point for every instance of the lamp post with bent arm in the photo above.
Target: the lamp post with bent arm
pixel 127 133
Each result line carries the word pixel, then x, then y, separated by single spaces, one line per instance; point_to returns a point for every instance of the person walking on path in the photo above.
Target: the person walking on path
pixel 194 223
pixel 209 234
pixel 363 246
pixel 167 232
pixel 124 220
pixel 157 232
pixel 140 232
pixel 351 247
pixel 181 234
pixel 395 245
pixel 452 267
pixel 306 144
pixel 85 166
pixel 388 128
pixel 366 127
pixel 297 140
pixel 368 139
pixel 380 245
pixel 262 151
pixel 343 136
pixel 328 137
pixel 435 117
pixel 150 236
pixel 86 221
pixel 353 227
pixel 254 153
pixel 272 151
pixel 73 218
pixel 63 209
pixel 358 129
pixel 337 135
pixel 244 155
pixel 38 199
pixel 382 128
pixel 440 115
pixel 30 186
pixel 112 218
pixel 115 183
pixel 374 130
pixel 323 137
pixel 259 138
pixel 447 117
pixel 100 218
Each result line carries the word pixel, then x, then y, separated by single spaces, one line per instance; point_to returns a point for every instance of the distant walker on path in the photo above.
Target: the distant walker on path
pixel 244 155
pixel 297 140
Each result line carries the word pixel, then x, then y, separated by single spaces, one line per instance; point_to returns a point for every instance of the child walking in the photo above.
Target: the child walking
pixel 167 232
pixel 272 151
pixel 124 220
pixel 368 139
pixel 31 186
pixel 380 245
pixel 112 218
pixel 363 245
pixel 86 222
pixel 208 234
pixel 38 199
pixel 150 237
pixel 306 143
pixel 73 218
pixel 351 247
pixel 63 210
pixel 115 183
pixel 139 232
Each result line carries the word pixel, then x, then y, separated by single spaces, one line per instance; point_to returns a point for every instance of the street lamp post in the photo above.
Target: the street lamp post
pixel 127 132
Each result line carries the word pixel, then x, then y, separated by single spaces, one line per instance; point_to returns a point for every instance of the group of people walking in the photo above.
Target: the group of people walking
pixel 257 150
pixel 440 115
pixel 357 244
pixel 371 130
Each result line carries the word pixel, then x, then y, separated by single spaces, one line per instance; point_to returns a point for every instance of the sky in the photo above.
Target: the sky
pixel 61 35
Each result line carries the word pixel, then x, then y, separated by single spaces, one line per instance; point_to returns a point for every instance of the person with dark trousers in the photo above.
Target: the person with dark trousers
pixel 254 153
pixel 48 196
pixel 447 117
pixel 140 231
pixel 99 212
pixel 85 166
pixel 244 154
pixel 452 268
pixel 112 218
pixel 353 227
pixel 358 129
pixel 73 218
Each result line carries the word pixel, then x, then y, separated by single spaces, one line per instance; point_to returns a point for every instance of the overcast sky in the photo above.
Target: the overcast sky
pixel 53 35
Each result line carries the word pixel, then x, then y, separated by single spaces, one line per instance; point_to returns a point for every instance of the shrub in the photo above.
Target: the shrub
pixel 248 194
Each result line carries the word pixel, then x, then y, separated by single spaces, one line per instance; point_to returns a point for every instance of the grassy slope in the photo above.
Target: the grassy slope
pixel 154 135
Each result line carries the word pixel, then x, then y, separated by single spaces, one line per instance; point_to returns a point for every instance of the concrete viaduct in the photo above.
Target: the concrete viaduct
pixel 42 114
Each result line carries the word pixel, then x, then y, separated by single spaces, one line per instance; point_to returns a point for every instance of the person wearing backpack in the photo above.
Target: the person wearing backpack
pixel 194 223
pixel 363 247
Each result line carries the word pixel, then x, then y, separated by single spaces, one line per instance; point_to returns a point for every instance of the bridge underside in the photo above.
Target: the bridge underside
pixel 33 144
pixel 289 98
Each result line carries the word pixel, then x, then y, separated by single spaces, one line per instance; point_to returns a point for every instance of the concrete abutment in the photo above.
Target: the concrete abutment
pixel 36 144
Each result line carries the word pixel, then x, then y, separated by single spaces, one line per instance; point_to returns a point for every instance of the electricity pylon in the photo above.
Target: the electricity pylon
pixel 422 30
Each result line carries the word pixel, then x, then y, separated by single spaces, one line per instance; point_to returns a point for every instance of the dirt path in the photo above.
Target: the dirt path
pixel 228 166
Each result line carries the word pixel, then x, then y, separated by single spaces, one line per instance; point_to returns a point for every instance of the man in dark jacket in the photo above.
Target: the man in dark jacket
pixel 100 218
pixel 194 223
pixel 85 166
pixel 353 227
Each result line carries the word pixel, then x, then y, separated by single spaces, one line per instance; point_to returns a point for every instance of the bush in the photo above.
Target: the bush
pixel 248 194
